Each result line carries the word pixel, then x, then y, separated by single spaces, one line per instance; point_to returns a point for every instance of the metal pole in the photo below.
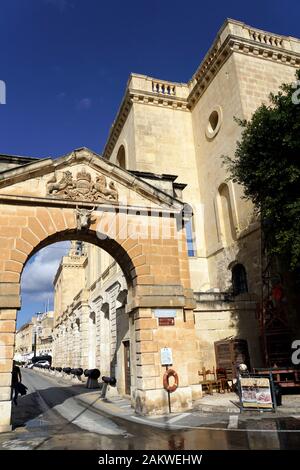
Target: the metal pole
pixel 169 402
pixel 169 397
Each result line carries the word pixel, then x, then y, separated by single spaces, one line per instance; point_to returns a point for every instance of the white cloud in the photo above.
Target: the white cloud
pixel 84 103
pixel 38 274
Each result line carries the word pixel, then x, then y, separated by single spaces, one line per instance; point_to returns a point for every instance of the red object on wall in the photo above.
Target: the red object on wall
pixel 277 292
pixel 166 321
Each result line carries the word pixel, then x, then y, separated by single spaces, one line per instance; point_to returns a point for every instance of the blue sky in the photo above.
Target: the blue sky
pixel 37 281
pixel 66 63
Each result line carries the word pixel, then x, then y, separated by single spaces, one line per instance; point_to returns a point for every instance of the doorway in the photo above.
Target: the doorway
pixel 127 367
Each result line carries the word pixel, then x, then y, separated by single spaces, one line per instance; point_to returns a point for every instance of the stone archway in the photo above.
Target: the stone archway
pixel 156 267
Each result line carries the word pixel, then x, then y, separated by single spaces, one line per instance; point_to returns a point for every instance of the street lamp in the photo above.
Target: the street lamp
pixel 35 334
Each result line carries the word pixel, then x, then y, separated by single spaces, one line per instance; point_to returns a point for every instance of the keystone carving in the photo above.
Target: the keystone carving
pixel 83 218
pixel 82 187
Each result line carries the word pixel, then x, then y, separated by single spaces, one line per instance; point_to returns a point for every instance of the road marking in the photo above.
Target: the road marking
pixel 177 418
pixel 233 422
pixel 207 428
pixel 150 422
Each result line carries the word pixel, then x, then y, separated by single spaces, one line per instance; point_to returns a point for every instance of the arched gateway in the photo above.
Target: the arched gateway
pixel 83 197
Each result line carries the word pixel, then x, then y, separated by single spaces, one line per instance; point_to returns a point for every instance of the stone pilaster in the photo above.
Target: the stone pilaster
pixel 84 330
pixel 7 342
pixel 150 396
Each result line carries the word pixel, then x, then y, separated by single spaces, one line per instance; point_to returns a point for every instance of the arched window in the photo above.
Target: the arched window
pixel 239 279
pixel 190 238
pixel 227 226
pixel 121 158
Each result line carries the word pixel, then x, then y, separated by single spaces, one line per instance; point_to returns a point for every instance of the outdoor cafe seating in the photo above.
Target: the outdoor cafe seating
pixel 285 377
pixel 214 379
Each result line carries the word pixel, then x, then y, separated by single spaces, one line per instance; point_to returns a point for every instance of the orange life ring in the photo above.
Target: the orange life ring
pixel 170 373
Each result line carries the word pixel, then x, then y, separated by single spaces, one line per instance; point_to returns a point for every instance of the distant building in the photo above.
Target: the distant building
pixel 44 329
pixel 34 338
pixel 89 304
pixel 25 342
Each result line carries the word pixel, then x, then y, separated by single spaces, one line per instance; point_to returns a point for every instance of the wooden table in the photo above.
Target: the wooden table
pixel 285 376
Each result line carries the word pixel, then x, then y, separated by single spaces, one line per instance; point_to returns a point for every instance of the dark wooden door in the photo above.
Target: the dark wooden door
pixel 224 356
pixel 230 354
pixel 127 367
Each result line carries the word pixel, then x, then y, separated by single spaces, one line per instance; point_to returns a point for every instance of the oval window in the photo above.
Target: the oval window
pixel 214 123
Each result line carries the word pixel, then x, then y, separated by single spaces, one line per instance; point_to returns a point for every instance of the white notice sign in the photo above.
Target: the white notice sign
pixel 165 312
pixel 166 358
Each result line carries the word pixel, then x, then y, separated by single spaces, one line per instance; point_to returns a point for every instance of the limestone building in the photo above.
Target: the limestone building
pixel 34 338
pixel 44 333
pixel 164 131
pixel 24 342
pixel 186 241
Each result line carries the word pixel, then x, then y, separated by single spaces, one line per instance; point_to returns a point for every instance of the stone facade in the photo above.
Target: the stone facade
pixel 34 337
pixel 155 266
pixel 24 342
pixel 128 204
pixel 44 334
pixel 163 125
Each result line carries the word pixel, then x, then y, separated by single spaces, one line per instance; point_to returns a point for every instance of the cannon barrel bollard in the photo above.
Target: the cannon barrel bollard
pixel 93 376
pixel 107 381
pixel 58 371
pixel 77 371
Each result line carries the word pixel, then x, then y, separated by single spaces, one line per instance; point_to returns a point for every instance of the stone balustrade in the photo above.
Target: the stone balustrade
pixel 265 38
pixel 163 88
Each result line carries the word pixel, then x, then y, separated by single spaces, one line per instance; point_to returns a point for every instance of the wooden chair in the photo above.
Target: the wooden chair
pixel 223 382
pixel 209 380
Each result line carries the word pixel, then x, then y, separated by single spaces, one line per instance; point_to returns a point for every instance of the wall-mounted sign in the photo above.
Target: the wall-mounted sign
pixel 256 392
pixel 164 313
pixel 168 321
pixel 166 358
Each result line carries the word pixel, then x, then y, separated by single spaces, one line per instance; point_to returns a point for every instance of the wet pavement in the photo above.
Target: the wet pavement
pixel 53 415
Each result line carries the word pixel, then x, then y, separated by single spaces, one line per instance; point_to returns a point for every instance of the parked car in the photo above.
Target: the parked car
pixel 42 364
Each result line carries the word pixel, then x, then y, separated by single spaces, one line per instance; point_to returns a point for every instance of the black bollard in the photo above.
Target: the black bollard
pixel 77 372
pixel 107 381
pixel 93 376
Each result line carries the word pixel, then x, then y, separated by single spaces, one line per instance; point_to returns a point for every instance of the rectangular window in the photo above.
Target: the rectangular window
pixel 189 237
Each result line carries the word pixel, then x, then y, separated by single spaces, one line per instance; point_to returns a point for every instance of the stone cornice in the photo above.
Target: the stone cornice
pixel 216 60
pixel 142 97
pixel 99 164
pixel 155 99
pixel 234 36
pixel 117 125
pixel 120 208
pixel 266 46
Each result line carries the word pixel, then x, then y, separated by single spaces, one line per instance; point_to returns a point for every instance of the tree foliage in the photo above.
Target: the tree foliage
pixel 267 164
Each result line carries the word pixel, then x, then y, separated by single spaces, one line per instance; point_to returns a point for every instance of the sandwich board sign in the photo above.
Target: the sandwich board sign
pixel 257 393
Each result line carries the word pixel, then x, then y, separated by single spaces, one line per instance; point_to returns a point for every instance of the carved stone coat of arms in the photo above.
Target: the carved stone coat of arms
pixel 83 187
